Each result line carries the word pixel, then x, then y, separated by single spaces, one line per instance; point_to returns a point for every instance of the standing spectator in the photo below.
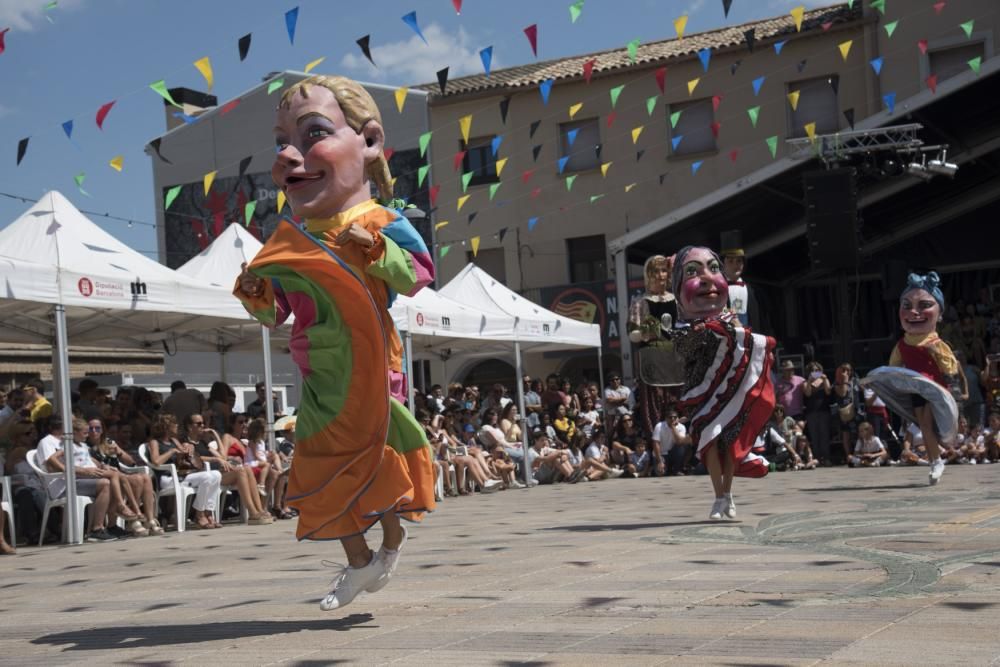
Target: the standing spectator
pixel 975 405
pixel 221 399
pixel 34 400
pixel 435 399
pixel 674 443
pixel 258 408
pixel 817 410
pixel 87 403
pixel 13 411
pixel 594 390
pixel 877 413
pixel 845 397
pixel 591 418
pixel 183 402
pixel 552 397
pixel 868 450
pixel 572 401
pixel 616 397
pixel 533 404
pixel 789 391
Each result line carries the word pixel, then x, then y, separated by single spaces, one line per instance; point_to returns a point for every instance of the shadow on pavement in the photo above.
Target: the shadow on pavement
pixel 138 636
pixel 601 527
pixel 819 489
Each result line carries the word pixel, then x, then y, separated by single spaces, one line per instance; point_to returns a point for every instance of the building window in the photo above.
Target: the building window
pixel 694 127
pixel 588 260
pixel 817 104
pixel 490 260
pixel 582 154
pixel 479 159
pixel 948 62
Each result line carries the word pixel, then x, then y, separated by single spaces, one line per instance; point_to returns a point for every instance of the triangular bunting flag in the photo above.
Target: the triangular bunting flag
pixel 922 45
pixel 793 99
pixel 291 18
pixel 876 64
pixel 475 245
pixel 588 69
pixel 890 101
pixel 248 211
pixel 457 161
pixel 457 4
pixel 364 44
pixel 635 133
pixel 575 109
pixel 160 88
pixel 680 24
pixel 726 4
pixel 281 202
pixel 628 188
pixel 801 66
pixel 504 108
pixel 465 125
pixel 931 81
pixel 662 177
pixel 569 182
pixel 204 65
pixel 615 92
pixel 244 46
pixel 674 117
pixel 797 14
pixel 695 166
pixel 439 225
pixel 571 136
pixel 531 32
pixel 633 49
pixel 168 199
pixel 676 141
pixel 493 190
pixel 772 144
pixel 879 5
pixel 611 118
pixel 495 144
pixel 661 78
pixel 155 145
pixel 244 165
pixel 531 223
pixel 208 179
pixel 705 55
pixel 975 64
pixel 891 27
pixel 734 155
pixel 486 55
pixel 715 126
pixel 594 198
pixel 526 175
pixel 400 95
pixel 716 101
pixel 562 163
pixel 753 112
pixel 466 178
pixel 501 163
pixel 535 150
pixel 68 129
pixel 651 104
pixel 735 66
pixel 692 84
pixel 533 128
pixel 750 37
pixel 849 115
pixel 411 20
pixel 433 192
pixel 810 129
pixel 117 162
pixel 313 64
pixel 472 216
pixel 845 48
pixel 575 10
pixel 545 87
pixel 605 167
pixel 79 178
pixel 462 200
pixel 444 250
pixel 938 6
pixel 442 76
pixel 422 174
pixel 275 85
pixel 502 233
pixel 757 83
pixel 778 46
pixel 639 154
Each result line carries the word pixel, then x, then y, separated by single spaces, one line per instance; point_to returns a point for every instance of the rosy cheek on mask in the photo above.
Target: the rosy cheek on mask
pixel 689 288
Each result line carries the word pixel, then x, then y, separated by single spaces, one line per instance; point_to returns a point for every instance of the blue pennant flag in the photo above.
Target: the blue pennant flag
pixel 676 140
pixel 778 46
pixel 68 129
pixel 545 87
pixel 291 18
pixel 704 56
pixel 531 223
pixel 411 20
pixel 877 65
pixel 486 55
pixel 495 144
pixel 571 136
pixel 562 163
pixel 890 101
pixel 757 83
pixel 695 166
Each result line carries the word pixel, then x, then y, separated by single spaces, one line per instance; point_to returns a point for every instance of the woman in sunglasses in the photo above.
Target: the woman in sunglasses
pixel 134 487
pixel 165 447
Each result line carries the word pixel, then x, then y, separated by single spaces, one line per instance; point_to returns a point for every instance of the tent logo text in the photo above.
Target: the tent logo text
pixel 85 286
pixel 138 289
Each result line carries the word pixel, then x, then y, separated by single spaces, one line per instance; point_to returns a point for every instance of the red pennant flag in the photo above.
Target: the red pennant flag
pixel 588 69
pixel 611 118
pixel 4 32
pixel 457 162
pixel 102 113
pixel 826 26
pixel 458 6
pixel 716 101
pixel 531 32
pixel 229 106
pixel 715 128
pixel 526 176
pixel 389 152
pixel 922 45
pixel 536 192
pixel 938 6
pixel 932 83
pixel 733 154
pixel 434 195
pixel 661 78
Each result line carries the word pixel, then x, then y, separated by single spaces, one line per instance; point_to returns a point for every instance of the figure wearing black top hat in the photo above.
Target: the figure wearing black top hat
pixel 741 300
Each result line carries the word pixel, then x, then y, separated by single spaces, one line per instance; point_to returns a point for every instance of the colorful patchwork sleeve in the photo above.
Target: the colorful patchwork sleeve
pixel 270 308
pixel 404 263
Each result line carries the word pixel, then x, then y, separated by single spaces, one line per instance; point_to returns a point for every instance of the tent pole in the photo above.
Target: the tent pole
pixel 222 358
pixel 265 337
pixel 621 292
pixel 408 341
pixel 520 410
pixel 62 392
pixel 600 370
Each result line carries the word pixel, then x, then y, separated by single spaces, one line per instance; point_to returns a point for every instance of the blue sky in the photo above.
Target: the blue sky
pixel 95 51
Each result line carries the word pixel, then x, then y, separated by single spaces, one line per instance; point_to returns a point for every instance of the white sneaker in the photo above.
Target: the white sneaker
pixel 615 473
pixel 390 559
pixel 350 581
pixel 728 506
pixel 516 485
pixel 937 469
pixel 717 507
pixel 492 485
pixel 972 462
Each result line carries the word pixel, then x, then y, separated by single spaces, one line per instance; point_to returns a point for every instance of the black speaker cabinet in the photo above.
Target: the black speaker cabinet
pixel 831 218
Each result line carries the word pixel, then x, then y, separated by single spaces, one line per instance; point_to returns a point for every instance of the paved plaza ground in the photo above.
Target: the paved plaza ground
pixel 834 566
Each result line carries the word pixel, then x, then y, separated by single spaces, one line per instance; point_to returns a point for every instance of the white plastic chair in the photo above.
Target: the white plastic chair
pixel 50 502
pixel 183 495
pixel 7 506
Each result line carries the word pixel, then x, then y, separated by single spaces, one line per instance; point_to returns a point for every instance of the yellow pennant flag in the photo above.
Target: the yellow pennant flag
pixel 797 14
pixel 204 66
pixel 314 64
pixel 401 97
pixel 575 109
pixel 462 200
pixel 845 48
pixel 636 132
pixel 209 178
pixel 392 181
pixel 440 225
pixel 117 162
pixel 810 130
pixel 501 163
pixel 465 124
pixel 475 245
pixel 605 167
pixel 281 200
pixel 793 99
pixel 692 84
pixel 679 25
pixel 629 187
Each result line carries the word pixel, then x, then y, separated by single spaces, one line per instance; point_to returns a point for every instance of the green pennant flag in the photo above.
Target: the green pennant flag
pixel 674 117
pixel 466 177
pixel 160 87
pixel 422 174
pixel 444 250
pixel 976 63
pixel 879 5
pixel 651 104
pixel 633 49
pixel 967 27
pixel 850 4
pixel 275 85
pixel 753 112
pixel 575 10
pixel 891 27
pixel 425 140
pixel 248 212
pixel 79 183
pixel 171 196
pixel 615 92
pixel 569 182
pixel 493 190
pixel 594 198
pixel 772 143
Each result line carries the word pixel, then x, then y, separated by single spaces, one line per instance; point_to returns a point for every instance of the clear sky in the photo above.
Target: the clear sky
pixel 63 63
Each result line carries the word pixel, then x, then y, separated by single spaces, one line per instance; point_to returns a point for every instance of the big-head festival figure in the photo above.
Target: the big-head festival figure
pixel 360 457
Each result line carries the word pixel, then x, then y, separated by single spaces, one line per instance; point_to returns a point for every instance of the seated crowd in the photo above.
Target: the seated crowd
pixel 128 447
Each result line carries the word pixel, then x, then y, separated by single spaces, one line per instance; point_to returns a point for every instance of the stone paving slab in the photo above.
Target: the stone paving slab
pixel 867 567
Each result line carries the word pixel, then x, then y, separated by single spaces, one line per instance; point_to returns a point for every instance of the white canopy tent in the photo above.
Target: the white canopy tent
pixel 66 278
pixel 535 328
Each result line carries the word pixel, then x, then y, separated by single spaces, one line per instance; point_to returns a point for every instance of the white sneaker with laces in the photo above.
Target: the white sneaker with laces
pixel 515 484
pixel 492 485
pixel 350 581
pixel 615 473
pixel 717 507
pixel 937 469
pixel 728 506
pixel 390 559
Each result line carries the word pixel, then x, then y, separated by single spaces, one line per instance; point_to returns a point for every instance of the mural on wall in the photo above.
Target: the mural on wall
pixel 593 303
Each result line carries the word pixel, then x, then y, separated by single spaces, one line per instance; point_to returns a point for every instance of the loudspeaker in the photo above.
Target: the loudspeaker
pixel 831 218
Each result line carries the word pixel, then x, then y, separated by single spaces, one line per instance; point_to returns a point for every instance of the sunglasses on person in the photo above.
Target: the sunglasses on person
pixel 96 429
pixel 197 423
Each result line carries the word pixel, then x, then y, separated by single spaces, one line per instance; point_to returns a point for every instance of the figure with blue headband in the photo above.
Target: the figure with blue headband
pixel 923 375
